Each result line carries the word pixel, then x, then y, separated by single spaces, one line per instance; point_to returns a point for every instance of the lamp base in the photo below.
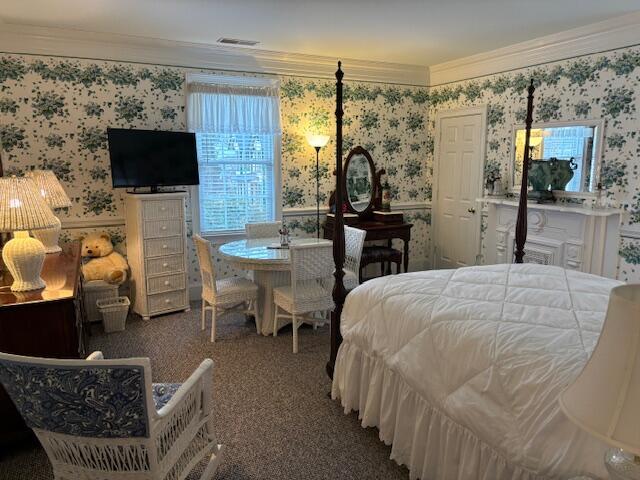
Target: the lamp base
pixel 24 257
pixel 621 465
pixel 49 237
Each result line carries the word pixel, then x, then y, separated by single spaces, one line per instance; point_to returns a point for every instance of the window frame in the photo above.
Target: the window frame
pixel 230 235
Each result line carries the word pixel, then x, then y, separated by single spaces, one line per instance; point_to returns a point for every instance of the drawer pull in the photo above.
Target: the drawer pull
pixel 167 283
pixel 167 301
pixel 163 209
pixel 165 246
pixel 165 264
pixel 163 227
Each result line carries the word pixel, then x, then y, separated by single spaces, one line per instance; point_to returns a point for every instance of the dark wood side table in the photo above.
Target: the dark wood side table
pixel 41 323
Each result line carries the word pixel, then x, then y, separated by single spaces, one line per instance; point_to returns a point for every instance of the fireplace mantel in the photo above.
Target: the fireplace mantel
pixel 569 236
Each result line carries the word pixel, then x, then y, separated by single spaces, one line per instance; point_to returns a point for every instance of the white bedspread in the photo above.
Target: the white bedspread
pixel 489 348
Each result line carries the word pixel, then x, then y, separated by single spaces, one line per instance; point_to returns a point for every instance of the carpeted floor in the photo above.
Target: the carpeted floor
pixel 271 406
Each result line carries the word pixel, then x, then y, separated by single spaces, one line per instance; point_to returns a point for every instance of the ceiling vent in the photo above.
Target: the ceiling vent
pixel 236 41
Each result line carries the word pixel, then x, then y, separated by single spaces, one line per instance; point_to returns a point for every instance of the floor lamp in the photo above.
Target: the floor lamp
pixel 317 142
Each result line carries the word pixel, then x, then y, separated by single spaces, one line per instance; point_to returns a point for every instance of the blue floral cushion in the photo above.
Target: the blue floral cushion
pixel 162 393
pixel 101 402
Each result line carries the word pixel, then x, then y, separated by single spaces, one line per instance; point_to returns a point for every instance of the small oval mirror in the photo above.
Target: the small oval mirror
pixel 359 181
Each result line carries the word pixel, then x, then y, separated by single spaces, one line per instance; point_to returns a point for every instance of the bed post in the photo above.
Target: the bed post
pixel 521 222
pixel 339 292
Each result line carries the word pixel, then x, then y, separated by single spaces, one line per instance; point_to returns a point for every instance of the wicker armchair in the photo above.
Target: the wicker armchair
pixel 354 241
pixel 234 293
pixel 104 419
pixel 263 230
pixel 310 290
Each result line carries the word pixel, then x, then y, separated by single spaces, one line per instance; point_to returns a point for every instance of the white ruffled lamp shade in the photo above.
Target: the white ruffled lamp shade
pixel 605 398
pixel 55 196
pixel 23 209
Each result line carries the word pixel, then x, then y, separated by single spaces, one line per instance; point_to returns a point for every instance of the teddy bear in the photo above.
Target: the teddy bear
pixel 103 262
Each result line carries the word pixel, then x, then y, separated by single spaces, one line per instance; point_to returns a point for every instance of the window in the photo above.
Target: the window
pixel 237 126
pixel 236 180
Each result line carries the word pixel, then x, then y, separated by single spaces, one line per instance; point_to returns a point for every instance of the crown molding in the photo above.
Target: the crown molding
pixel 598 37
pixel 34 40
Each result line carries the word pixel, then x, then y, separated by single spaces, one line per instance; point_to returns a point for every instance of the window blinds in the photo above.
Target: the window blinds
pixel 236 180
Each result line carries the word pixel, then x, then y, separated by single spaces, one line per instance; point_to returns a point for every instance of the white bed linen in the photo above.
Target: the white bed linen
pixel 461 369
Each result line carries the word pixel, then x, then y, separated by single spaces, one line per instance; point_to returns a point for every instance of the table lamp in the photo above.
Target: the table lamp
pixel 317 142
pixel 55 196
pixel 23 209
pixel 605 398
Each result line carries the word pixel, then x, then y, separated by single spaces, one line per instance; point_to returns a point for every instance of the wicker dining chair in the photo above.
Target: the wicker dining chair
pixel 103 419
pixel 310 289
pixel 354 242
pixel 227 294
pixel 263 230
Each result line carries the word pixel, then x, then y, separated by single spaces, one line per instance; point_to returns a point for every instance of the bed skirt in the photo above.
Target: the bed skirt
pixel 432 446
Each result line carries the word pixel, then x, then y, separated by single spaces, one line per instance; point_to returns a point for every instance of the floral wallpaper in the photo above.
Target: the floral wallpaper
pixel 54 113
pixel 591 87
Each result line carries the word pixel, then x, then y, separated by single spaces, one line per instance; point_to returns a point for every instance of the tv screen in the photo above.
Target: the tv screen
pixel 149 158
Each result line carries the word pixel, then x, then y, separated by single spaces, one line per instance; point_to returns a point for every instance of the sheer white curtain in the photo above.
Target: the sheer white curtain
pixel 226 108
pixel 237 125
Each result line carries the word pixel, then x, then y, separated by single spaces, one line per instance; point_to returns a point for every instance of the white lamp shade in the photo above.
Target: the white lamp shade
pixel 50 188
pixel 21 206
pixel 605 398
pixel 317 141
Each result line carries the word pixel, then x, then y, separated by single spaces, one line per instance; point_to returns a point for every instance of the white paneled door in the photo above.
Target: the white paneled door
pixel 459 174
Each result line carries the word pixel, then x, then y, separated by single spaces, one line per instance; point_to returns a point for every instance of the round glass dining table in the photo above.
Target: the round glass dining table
pixel 271 268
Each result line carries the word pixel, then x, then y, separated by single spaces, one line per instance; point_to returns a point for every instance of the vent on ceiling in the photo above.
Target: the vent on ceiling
pixel 237 41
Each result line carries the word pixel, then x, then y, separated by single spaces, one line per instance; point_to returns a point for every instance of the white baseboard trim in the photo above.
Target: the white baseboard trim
pixel 34 40
pixel 611 34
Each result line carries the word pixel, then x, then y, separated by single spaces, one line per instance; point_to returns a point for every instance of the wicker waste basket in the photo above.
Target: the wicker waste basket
pixel 114 313
pixel 93 291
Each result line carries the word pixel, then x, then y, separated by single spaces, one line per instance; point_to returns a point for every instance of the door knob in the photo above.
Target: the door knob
pixel 471 210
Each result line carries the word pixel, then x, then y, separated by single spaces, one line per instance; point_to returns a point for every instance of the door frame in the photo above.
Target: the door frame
pixel 440 115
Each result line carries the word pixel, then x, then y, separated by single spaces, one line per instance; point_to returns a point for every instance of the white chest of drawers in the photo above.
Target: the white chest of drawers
pixel 157 252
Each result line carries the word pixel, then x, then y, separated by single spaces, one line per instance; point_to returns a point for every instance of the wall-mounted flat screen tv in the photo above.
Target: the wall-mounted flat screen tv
pixel 151 158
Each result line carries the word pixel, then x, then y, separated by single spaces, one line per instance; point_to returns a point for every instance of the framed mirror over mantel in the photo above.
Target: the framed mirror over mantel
pixel 565 158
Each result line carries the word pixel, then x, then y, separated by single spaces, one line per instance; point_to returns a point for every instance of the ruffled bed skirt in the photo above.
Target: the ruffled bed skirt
pixel 432 446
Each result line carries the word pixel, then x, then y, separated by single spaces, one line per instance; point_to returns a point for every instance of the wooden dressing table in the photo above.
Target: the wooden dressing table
pixel 377 230
pixel 41 323
pixel 362 194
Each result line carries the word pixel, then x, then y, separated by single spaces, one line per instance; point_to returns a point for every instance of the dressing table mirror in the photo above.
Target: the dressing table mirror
pixel 565 157
pixel 361 183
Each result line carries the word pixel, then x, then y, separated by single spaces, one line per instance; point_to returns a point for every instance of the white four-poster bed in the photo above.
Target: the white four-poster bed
pixel 460 370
